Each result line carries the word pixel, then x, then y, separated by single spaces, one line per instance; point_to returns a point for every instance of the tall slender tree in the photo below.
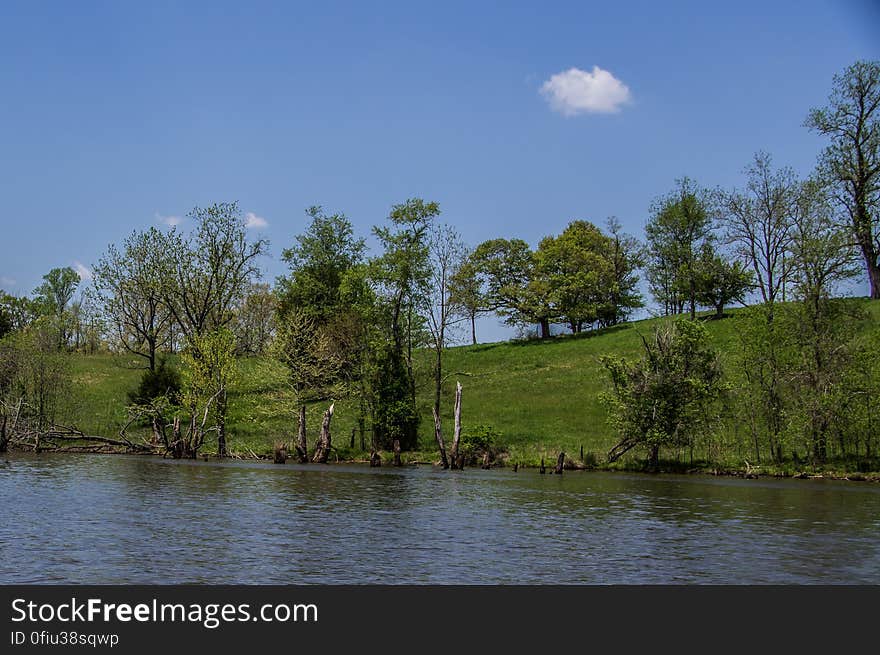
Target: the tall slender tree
pixel 852 159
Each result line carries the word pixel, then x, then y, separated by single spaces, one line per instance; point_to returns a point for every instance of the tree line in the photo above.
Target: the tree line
pixel 346 323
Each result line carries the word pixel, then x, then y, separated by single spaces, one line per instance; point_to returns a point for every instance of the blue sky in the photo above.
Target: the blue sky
pixel 117 115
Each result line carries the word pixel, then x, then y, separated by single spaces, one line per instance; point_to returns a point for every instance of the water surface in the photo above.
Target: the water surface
pixel 118 520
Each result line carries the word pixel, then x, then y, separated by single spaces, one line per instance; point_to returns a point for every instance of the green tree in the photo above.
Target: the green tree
pixel 719 281
pixel 131 289
pixel 852 159
pixel 207 273
pixel 319 261
pixel 822 258
pixel 514 290
pixel 209 368
pixel 466 291
pixel 666 399
pixel 576 267
pixel 402 274
pixel 313 365
pixel 626 256
pixel 55 295
pixel 679 227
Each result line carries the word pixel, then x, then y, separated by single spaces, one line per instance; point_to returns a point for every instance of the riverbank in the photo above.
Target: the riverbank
pixel 410 459
pixel 531 399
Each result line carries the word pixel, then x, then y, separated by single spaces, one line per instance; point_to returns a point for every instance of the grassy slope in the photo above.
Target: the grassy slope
pixel 541 396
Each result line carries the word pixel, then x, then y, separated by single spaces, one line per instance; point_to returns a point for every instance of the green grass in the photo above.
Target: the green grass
pixel 542 396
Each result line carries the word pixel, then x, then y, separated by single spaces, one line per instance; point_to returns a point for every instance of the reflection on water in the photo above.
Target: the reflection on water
pixel 92 519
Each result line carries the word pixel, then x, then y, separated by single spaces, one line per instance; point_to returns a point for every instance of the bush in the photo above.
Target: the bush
pixel 163 381
pixel 479 439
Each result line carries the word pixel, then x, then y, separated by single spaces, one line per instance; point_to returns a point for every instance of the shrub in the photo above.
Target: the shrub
pixel 163 381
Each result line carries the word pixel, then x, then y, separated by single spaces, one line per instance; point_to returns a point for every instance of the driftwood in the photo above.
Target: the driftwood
pixel 323 449
pixel 438 435
pixel 560 463
pixel 396 451
pixel 375 459
pixel 485 463
pixel 457 459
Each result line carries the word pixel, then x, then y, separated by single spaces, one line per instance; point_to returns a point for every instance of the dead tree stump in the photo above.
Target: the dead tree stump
pixel 485 464
pixel 438 435
pixel 543 470
pixel 456 434
pixel 323 449
pixel 280 453
pixel 560 462
pixel 375 459
pixel 302 446
pixel 516 467
pixel 396 447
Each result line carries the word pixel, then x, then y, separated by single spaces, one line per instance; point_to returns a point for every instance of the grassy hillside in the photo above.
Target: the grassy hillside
pixel 541 396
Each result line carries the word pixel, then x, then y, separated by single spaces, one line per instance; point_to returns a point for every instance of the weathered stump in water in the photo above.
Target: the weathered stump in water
pixel 438 435
pixel 456 433
pixel 560 463
pixel 301 446
pixel 280 453
pixel 323 449
pixel 176 440
pixel 516 467
pixel 485 464
pixel 396 447
pixel 542 470
pixel 375 459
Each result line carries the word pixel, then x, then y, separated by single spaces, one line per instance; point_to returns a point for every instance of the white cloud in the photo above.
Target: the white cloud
pixel 7 281
pixel 575 91
pixel 83 271
pixel 251 220
pixel 168 220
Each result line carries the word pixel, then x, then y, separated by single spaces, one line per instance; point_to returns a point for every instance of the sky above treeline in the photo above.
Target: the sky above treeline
pixel 516 117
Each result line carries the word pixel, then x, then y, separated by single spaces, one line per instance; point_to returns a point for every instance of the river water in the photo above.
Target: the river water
pixel 117 519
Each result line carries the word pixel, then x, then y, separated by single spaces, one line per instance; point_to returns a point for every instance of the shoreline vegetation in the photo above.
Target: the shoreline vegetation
pixel 175 347
pixel 499 388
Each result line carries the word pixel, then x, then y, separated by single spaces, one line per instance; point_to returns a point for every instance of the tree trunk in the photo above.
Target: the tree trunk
pixel 560 462
pixel 486 464
pixel 351 443
pixel 3 438
pixel 438 435
pixel 654 462
pixel 302 446
pixel 396 450
pixel 474 329
pixel 543 469
pixel 323 449
pixel 545 328
pixel 375 459
pixel 176 439
pixel 280 453
pixel 874 279
pixel 456 434
pixel 221 424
